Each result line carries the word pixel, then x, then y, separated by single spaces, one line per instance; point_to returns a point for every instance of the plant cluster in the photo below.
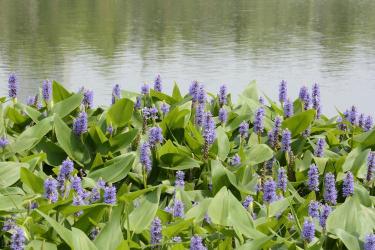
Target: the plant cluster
pixel 176 171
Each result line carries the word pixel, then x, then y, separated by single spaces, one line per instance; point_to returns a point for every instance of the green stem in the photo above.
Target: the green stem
pixel 127 221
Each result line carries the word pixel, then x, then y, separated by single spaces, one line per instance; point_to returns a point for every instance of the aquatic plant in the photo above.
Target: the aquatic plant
pixel 176 171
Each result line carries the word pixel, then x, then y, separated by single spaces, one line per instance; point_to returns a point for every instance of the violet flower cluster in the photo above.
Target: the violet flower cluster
pixel 258 121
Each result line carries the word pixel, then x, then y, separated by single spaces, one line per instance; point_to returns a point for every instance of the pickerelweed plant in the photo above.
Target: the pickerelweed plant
pixel 160 171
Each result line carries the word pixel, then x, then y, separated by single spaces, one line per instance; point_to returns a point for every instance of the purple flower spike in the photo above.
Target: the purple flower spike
pixel 303 92
pixel 178 209
pixel 199 115
pixel 50 189
pixel 348 185
pixel 66 169
pixel 370 166
pixel 145 89
pixel 316 99
pixel 306 133
pixel 273 135
pixel 369 242
pixel 180 176
pixel 116 93
pixel 157 84
pixel 308 231
pixel 138 102
pixel 288 109
pixel 244 130
pixel 47 90
pixel 314 209
pixel 17 240
pixel 78 200
pixel 145 157
pixel 110 195
pixel 326 210
pixel 352 117
pixel 236 160
pixel 3 142
pixel 94 195
pixel 80 124
pixel 304 96
pixel 368 123
pixel 88 98
pixel 282 179
pixel 258 121
pixel 31 101
pixel 319 150
pixel 282 91
pixel 222 96
pixel 155 136
pixel 247 202
pixel 156 231
pixel 196 243
pixel 285 141
pixel 361 120
pixel 9 224
pixel 261 100
pixel 76 184
pixel 194 90
pixel 201 95
pixel 209 133
pixel 269 195
pixel 223 115
pixel 313 180
pixel 12 86
pixel 164 108
pixel 330 192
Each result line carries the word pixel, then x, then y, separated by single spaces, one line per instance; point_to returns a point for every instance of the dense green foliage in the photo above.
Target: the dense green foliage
pixel 40 139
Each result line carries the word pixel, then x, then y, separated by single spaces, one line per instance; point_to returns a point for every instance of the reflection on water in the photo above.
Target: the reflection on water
pixel 99 43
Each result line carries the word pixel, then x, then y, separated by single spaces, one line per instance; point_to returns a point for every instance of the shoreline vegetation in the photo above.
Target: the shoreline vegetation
pixel 184 171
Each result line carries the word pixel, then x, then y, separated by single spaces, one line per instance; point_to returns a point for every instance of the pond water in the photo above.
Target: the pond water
pixel 98 43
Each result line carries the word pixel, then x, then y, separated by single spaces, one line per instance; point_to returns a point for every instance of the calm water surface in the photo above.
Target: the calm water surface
pixel 98 43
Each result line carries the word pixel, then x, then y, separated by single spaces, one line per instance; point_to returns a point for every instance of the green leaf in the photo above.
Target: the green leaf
pixel 81 241
pixel 251 91
pixel 355 159
pixel 176 228
pixel 111 235
pixel 66 106
pixel 352 217
pixel 255 244
pixel 114 170
pixel 141 217
pixel 59 93
pixel 63 232
pixel 299 122
pixel 34 182
pixel 279 206
pixel 15 116
pixel 259 153
pixel 11 202
pixel 226 210
pixel 55 154
pixel 38 244
pixel 71 144
pixel 176 94
pixel 34 114
pixel 349 240
pixel 10 173
pixel 222 143
pixel 162 97
pixel 121 141
pixel 31 136
pixel 121 112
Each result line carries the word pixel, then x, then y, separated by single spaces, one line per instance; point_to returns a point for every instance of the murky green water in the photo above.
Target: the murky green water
pixel 101 42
